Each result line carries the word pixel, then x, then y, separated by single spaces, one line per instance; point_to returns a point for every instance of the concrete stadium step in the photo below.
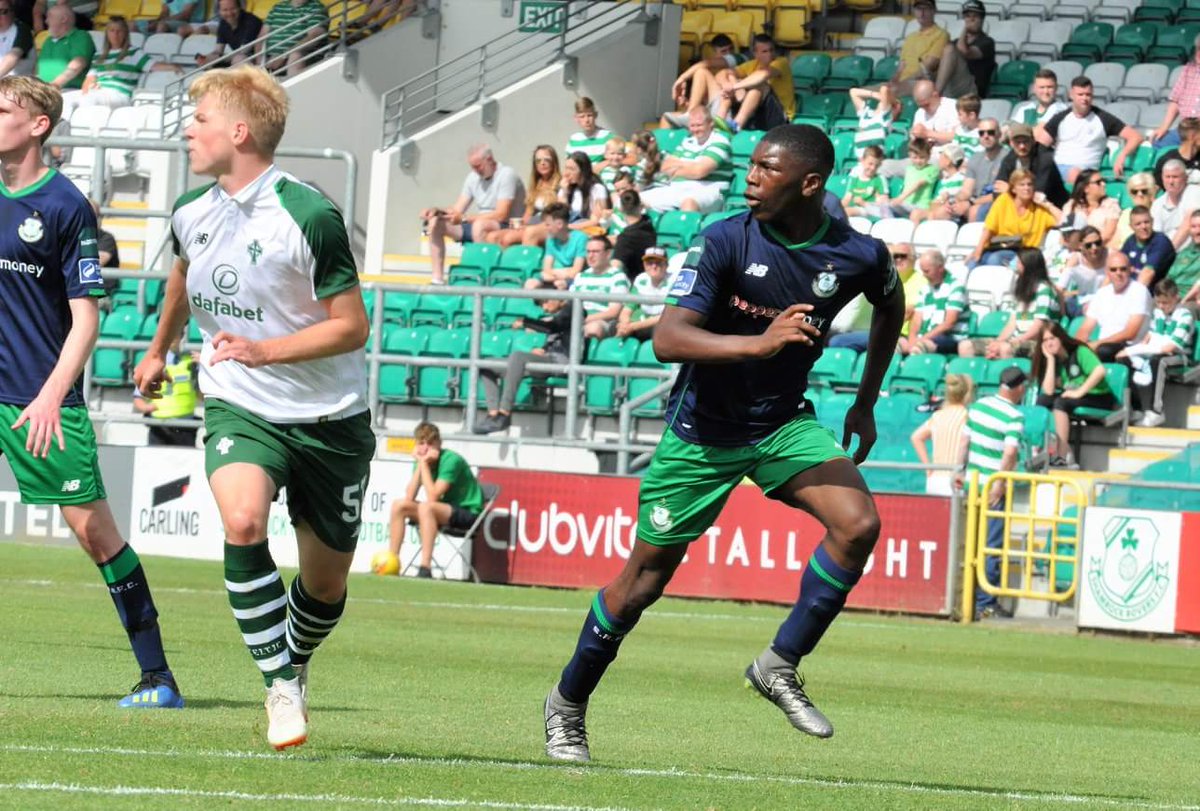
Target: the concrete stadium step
pixel 132 253
pixel 1193 417
pixel 394 278
pixel 1173 439
pixel 1134 460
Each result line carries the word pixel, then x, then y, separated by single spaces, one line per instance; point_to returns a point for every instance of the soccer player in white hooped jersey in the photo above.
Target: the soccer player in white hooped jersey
pixel 264 263
pixel 49 281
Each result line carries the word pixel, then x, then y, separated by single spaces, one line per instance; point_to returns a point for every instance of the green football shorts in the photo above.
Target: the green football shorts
pixel 687 485
pixel 323 465
pixel 71 476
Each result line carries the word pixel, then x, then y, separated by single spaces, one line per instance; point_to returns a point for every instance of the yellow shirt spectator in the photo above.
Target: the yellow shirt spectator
pixel 781 82
pixel 1003 220
pixel 917 46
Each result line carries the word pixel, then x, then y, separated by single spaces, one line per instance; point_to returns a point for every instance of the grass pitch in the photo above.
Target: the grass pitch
pixel 429 695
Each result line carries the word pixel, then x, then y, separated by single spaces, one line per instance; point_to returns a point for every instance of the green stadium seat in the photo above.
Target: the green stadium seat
pixel 991 324
pixel 194 336
pixel 669 138
pixel 892 370
pixel 922 373
pixel 1088 42
pixel 514 308
pixel 896 146
pixel 820 111
pixel 837 184
pixel 110 367
pixel 676 229
pixel 1118 381
pixel 148 327
pixel 834 367
pixel 398 306
pixel 810 70
pixel 885 69
pixel 645 359
pixel 843 151
pixel 716 216
pixel 435 309
pixel 1131 42
pixel 1174 43
pixel 437 385
pixel 369 295
pixel 831 409
pixel 396 381
pixel 1013 79
pixel 971 367
pixel 517 263
pixel 602 393
pixel 894 480
pixel 897 416
pixel 743 144
pixel 847 72
pixel 1157 11
pixel 477 259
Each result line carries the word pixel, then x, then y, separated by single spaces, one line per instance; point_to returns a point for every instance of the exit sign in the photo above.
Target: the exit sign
pixel 542 17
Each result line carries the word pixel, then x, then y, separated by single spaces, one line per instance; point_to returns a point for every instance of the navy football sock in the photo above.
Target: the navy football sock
pixel 135 606
pixel 824 587
pixel 598 644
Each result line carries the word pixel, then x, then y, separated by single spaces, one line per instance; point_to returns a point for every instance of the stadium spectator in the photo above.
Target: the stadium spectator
pixel 914 283
pixel 115 72
pixel 1028 155
pixel 1150 253
pixel 920 181
pixel 866 193
pixel 37 13
pixel 876 110
pixel 944 429
pixel 1037 304
pixel 700 85
pixel 565 252
pixel 178 16
pixel 291 31
pixel 977 194
pixel 928 41
pixel 584 194
pixel 759 94
pixel 236 29
pixel 1142 189
pixel 453 497
pixel 603 278
pixel 1185 270
pixel 497 192
pixel 1183 102
pixel 936 118
pixel 613 163
pixel 1083 272
pixel 951 181
pixel 106 243
pixel 1188 151
pixel 1071 376
pixel 1169 342
pixel 545 177
pixel 990 444
pixel 850 327
pixel 939 320
pixel 1172 208
pixel 966 134
pixel 1045 103
pixel 700 169
pixel 647 161
pixel 66 54
pixel 591 138
pixel 1091 205
pixel 1119 312
pixel 178 398
pixel 500 396
pixel 17 52
pixel 639 320
pixel 1079 135
pixel 1019 217
pixel 635 236
pixel 966 64
pixel 380 13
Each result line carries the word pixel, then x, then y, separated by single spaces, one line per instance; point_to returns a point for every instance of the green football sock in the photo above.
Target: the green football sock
pixel 259 604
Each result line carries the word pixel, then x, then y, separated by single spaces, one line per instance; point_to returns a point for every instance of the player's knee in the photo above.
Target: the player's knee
pixel 859 534
pixel 245 525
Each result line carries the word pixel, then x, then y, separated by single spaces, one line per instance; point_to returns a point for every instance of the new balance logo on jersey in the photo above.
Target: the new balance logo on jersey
pixel 71 485
pixel 201 239
pixel 219 306
pixel 756 269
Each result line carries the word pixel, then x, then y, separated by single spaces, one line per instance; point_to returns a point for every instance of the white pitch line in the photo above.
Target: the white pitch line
pixel 154 791
pixel 498 607
pixel 600 771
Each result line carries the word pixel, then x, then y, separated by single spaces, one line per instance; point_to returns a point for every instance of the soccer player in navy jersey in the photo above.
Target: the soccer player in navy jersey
pixel 746 316
pixel 49 283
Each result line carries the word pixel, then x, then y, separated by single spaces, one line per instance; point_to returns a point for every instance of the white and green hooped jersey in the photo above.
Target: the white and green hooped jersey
pixel 259 264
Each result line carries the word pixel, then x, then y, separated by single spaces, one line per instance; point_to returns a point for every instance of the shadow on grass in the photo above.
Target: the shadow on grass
pixel 192 702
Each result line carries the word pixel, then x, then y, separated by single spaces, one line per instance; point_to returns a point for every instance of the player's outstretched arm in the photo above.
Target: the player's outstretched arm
pixel 42 414
pixel 681 337
pixel 886 324
pixel 345 330
pixel 148 374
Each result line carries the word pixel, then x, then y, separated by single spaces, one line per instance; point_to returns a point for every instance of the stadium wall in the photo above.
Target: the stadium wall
pixel 629 80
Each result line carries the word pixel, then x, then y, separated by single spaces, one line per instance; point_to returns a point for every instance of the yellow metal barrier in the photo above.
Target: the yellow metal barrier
pixel 1033 541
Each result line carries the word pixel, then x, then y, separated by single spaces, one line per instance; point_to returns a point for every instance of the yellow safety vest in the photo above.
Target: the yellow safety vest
pixel 178 391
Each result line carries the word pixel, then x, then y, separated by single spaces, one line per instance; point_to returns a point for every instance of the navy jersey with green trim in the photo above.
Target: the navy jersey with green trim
pixel 740 275
pixel 48 256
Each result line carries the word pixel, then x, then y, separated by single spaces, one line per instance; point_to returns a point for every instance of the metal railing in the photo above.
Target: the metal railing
pixel 458 83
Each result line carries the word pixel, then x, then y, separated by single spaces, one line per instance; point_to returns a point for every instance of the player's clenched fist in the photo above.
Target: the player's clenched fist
pixel 789 327
pixel 148 375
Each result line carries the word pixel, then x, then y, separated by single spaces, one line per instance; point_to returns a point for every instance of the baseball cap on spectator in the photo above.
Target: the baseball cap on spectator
pixel 974 7
pixel 1019 130
pixel 929 3
pixel 655 252
pixel 1012 377
pixel 954 152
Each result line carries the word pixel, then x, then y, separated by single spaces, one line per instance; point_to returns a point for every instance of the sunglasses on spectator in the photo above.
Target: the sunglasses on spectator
pixel 1139 191
pixel 1118 268
pixel 899 256
pixel 1091 246
pixel 988 132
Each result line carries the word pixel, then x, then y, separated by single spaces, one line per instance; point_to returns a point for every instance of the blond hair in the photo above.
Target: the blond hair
pixel 960 389
pixel 35 96
pixel 251 93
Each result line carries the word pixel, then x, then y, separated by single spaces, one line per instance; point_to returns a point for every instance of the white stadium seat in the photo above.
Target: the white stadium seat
pixel 1046 39
pixel 163 45
pixel 1106 78
pixel 894 229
